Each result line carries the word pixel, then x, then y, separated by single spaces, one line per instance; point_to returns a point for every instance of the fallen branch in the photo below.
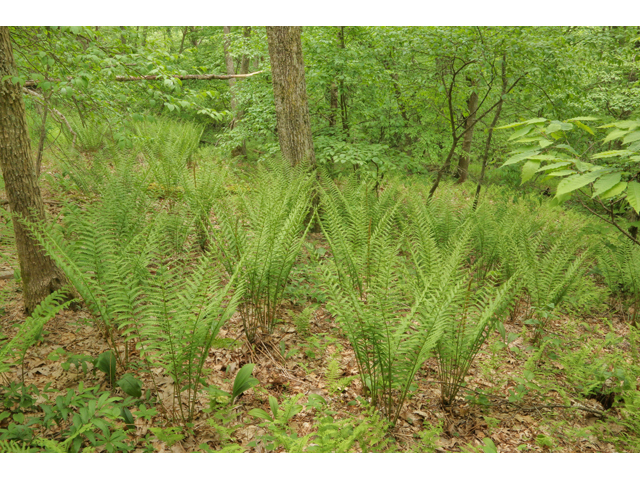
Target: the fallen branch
pixel 52 110
pixel 124 78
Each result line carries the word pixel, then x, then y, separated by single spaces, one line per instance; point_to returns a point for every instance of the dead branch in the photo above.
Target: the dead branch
pixel 125 78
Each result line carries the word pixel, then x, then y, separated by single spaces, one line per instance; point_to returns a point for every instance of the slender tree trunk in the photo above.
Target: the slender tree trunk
pixel 494 122
pixel 184 36
pixel 463 162
pixel 333 104
pixel 43 136
pixel 228 60
pixel 290 94
pixel 40 276
pixel 244 67
pixel 343 94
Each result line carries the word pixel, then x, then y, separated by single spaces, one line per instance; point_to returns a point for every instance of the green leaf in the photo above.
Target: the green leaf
pixel 583 119
pixel 243 381
pixel 554 127
pixel 106 363
pixel 615 190
pixel 521 132
pixel 273 404
pixel 612 153
pixel 127 416
pixel 544 157
pixel 577 181
pixel 562 173
pixel 545 143
pixel 259 413
pixel 554 166
pixel 529 139
pixel 568 148
pixel 606 183
pixel 584 127
pixel 511 125
pixel 489 446
pixel 632 137
pixel 520 157
pixel 130 385
pixel 529 169
pixel 633 195
pixel 614 135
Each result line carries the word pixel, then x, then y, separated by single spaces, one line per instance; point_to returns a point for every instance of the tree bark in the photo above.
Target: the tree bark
pixel 228 61
pixel 290 94
pixel 333 104
pixel 40 275
pixel 343 94
pixel 463 162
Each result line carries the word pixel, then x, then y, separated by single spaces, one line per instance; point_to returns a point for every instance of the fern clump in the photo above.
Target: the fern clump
pixel 470 307
pixel 264 229
pixel 142 293
pixel 550 272
pixel 391 331
pixel 619 264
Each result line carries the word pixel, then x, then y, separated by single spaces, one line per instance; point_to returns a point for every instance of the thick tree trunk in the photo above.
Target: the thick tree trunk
pixel 463 162
pixel 40 276
pixel 290 94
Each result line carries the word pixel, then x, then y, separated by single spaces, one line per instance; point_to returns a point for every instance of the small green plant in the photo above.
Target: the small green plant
pixel 169 435
pixel 243 382
pixel 544 441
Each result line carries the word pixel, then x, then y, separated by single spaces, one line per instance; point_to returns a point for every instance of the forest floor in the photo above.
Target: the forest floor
pixel 498 402
pixel 513 426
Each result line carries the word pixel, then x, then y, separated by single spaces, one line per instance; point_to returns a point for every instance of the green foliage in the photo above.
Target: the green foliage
pixel 243 382
pixel 550 272
pixel 29 331
pixel 619 264
pixel 610 175
pixel 87 419
pixel 127 276
pixel 265 229
pixel 470 309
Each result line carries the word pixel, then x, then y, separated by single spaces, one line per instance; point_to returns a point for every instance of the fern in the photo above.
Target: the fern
pixel 269 239
pixel 619 264
pixel 549 273
pixel 30 330
pixel 391 331
pixel 142 292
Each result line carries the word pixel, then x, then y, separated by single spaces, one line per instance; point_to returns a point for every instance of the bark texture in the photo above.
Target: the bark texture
pixel 290 94
pixel 40 276
pixel 228 61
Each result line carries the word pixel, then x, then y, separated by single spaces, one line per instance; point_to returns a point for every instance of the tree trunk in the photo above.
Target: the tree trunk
pixel 244 67
pixel 463 162
pixel 228 60
pixel 494 122
pixel 40 276
pixel 333 104
pixel 343 94
pixel 290 94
